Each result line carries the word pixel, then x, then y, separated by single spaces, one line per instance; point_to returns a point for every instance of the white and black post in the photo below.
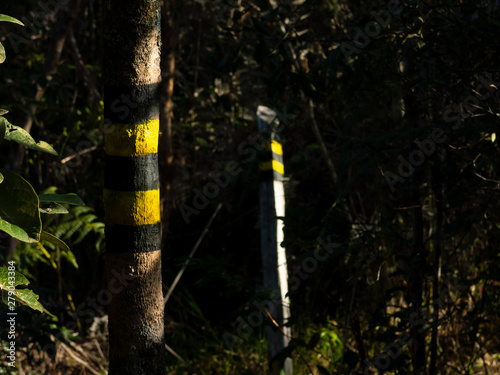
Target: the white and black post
pixel 272 213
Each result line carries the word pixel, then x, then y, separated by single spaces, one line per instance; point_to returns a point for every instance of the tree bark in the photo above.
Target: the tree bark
pixel 417 263
pixel 417 320
pixel 166 115
pixel 437 198
pixel 131 188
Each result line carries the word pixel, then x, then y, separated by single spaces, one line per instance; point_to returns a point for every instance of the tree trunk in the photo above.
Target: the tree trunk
pixel 166 116
pixel 132 76
pixel 436 277
pixel 417 263
pixel 416 284
pixel 66 16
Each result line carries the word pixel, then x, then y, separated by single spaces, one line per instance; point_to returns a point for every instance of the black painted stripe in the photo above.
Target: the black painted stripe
pixel 131 105
pixel 138 173
pixel 133 239
pixel 267 156
pixel 269 171
pixel 277 176
pixel 270 175
pixel 278 157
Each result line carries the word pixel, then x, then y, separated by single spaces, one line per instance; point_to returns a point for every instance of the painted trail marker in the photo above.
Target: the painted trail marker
pixel 272 212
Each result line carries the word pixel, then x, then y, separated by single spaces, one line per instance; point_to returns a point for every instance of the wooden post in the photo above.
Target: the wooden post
pixel 272 212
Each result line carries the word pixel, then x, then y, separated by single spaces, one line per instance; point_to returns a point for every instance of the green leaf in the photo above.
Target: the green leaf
pixel 25 296
pixel 54 208
pixel 29 298
pixel 19 278
pixel 201 141
pixel 312 146
pixel 19 214
pixel 45 236
pixel 4 18
pixel 2 53
pixel 61 198
pixel 1 178
pixel 70 257
pixel 3 112
pixel 21 136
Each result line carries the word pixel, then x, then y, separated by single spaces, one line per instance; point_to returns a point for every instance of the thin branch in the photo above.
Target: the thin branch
pixel 173 352
pixel 276 324
pixel 482 177
pixel 65 19
pixel 322 146
pixel 78 359
pixel 90 80
pixel 83 152
pixel 179 275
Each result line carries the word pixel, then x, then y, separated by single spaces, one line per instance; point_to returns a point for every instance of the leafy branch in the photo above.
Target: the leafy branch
pixel 20 206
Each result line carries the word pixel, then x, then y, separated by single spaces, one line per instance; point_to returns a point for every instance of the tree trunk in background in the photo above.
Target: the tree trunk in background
pixel 417 265
pixel 65 19
pixel 131 188
pixel 166 115
pixel 272 207
pixel 437 196
pixel 417 260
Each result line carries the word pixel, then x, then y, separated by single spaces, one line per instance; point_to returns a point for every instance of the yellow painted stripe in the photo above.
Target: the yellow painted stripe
pixel 132 207
pixel 272 164
pixel 132 140
pixel 274 147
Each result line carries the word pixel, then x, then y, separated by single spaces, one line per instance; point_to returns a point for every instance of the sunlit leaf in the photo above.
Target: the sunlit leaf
pixel 19 215
pixel 24 296
pixel 70 257
pixel 21 136
pixel 54 208
pixel 45 236
pixel 5 18
pixel 2 53
pixel 29 298
pixel 62 198
pixel 19 279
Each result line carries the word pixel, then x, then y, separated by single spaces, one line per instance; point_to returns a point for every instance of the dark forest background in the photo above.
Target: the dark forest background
pixel 389 113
